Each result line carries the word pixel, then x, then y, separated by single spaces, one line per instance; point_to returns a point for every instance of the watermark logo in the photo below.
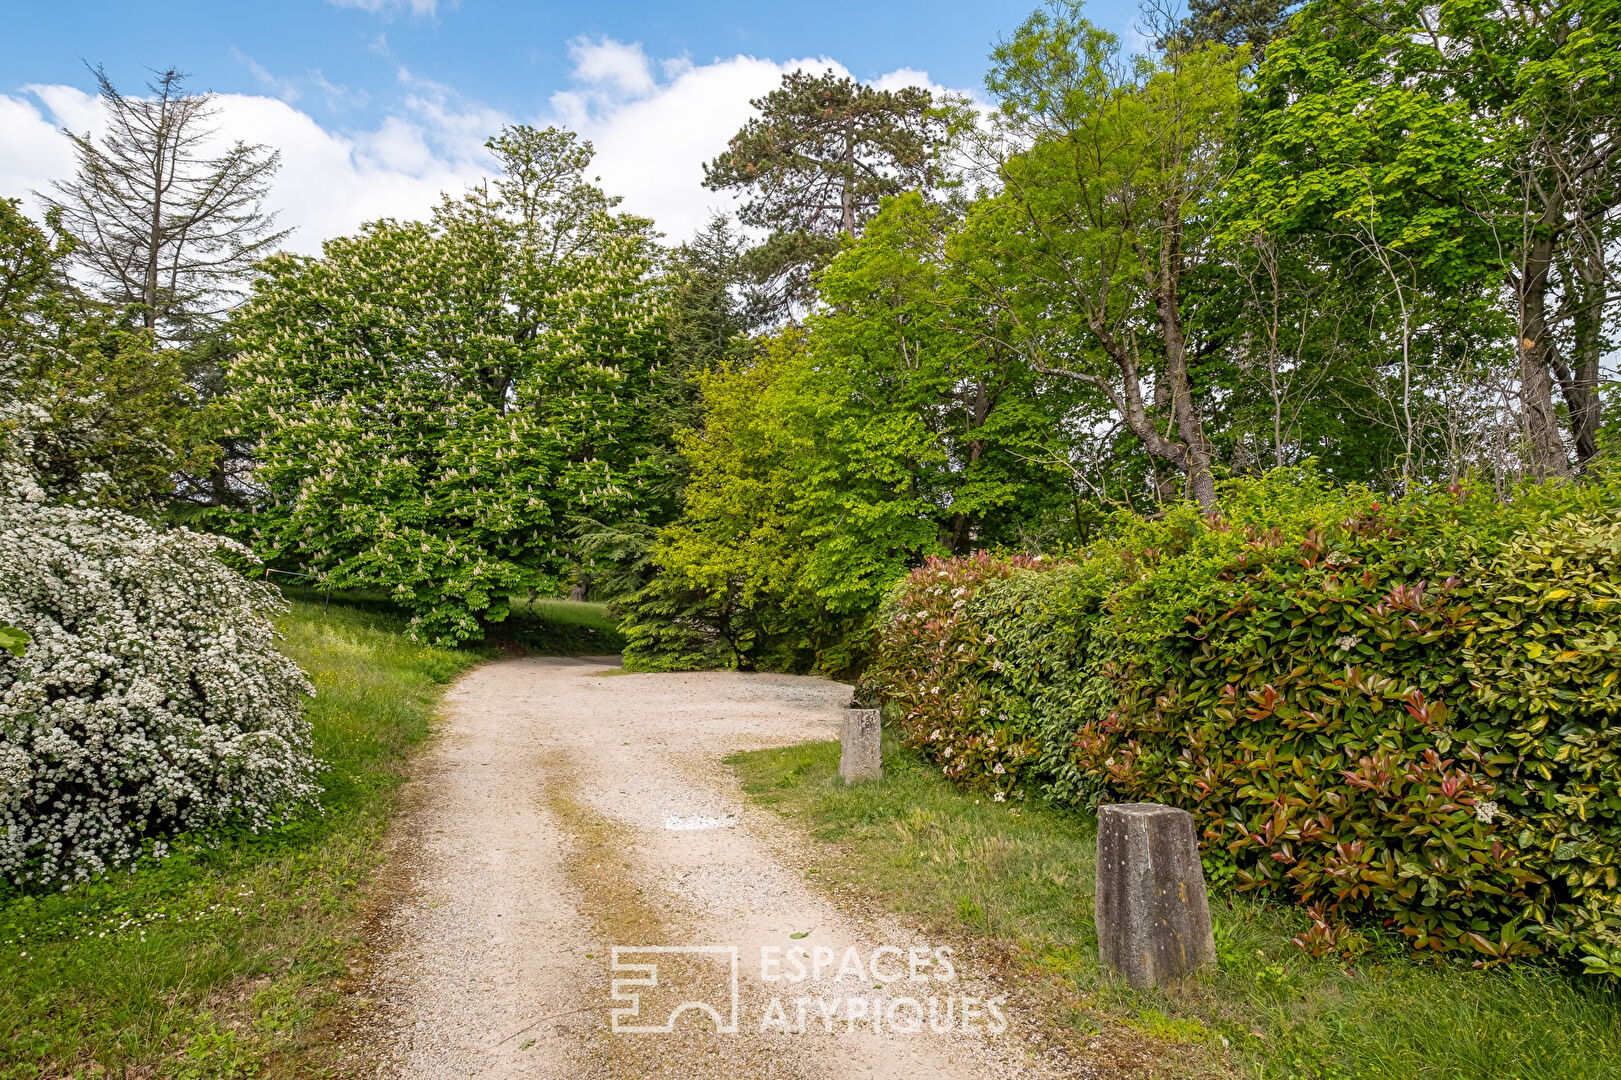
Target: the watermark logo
pixel 901 991
pixel 674 979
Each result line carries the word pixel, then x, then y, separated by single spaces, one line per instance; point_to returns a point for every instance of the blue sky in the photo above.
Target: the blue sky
pixel 377 104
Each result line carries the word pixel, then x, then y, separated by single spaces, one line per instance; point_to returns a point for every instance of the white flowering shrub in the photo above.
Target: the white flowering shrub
pixel 150 698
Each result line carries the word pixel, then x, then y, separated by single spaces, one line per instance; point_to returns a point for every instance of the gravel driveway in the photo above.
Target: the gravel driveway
pixel 567 809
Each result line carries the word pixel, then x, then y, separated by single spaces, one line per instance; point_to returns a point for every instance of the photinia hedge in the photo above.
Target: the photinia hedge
pixel 1399 714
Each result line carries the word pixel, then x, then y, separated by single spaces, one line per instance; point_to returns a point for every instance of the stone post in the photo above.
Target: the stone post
pixel 861 754
pixel 1153 917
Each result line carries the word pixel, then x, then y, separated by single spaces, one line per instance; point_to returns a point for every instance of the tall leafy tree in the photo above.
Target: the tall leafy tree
pixel 921 405
pixel 892 426
pixel 816 161
pixel 1373 178
pixel 723 593
pixel 1229 22
pixel 705 320
pixel 1526 182
pixel 1547 79
pixel 1106 211
pixel 438 404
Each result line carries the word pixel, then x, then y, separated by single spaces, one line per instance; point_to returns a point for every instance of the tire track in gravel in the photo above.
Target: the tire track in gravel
pixel 535 839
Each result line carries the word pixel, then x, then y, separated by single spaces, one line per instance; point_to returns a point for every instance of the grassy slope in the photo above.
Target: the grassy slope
pixel 568 612
pixel 214 962
pixel 556 627
pixel 545 626
pixel 1023 876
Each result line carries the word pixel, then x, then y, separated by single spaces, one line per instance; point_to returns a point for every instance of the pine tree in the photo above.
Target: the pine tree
pixel 162 227
pixel 816 161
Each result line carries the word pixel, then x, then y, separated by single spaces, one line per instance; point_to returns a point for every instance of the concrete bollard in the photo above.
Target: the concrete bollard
pixel 861 755
pixel 1153 917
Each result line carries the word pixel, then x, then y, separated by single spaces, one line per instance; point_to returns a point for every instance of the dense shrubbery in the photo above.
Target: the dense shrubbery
pixel 1402 712
pixel 150 700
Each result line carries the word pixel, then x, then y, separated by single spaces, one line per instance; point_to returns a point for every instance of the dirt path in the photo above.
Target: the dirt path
pixel 565 812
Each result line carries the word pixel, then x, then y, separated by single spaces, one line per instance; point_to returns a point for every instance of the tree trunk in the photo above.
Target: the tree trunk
pixel 1536 354
pixel 1189 424
pixel 1165 484
pixel 1580 381
pixel 961 535
pixel 154 238
pixel 847 202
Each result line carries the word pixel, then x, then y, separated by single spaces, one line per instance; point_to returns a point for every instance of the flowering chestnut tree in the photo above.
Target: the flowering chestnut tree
pixel 438 403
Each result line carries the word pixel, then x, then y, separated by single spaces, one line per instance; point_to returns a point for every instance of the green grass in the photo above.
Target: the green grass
pixel 544 626
pixel 216 962
pixel 556 627
pixel 586 613
pixel 1022 876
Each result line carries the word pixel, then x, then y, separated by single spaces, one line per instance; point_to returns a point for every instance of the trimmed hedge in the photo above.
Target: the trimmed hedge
pixel 1398 714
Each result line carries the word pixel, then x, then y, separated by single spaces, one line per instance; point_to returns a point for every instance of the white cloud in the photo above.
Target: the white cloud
pixel 655 124
pixel 286 89
pixel 612 67
pixel 290 88
pixel 338 96
pixel 904 77
pixel 457 125
pixel 32 150
pixel 330 182
pixel 655 135
pixel 389 7
pixel 653 139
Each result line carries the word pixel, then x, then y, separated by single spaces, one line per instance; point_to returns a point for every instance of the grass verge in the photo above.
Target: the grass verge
pixel 216 961
pixel 1021 877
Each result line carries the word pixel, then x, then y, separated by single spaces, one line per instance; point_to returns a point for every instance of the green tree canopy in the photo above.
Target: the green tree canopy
pixel 437 403
pixel 1110 173
pixel 1479 141
pixel 894 425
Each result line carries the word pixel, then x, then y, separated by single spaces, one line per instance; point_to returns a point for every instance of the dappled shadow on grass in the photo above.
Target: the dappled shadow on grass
pixel 216 960
pixel 1021 876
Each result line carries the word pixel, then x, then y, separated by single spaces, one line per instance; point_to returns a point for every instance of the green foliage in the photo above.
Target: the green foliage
pixel 707 313
pixel 1470 142
pixel 227 950
pixel 438 404
pixel 1105 208
pixel 894 426
pixel 1231 22
pixel 1542 667
pixel 729 562
pixel 929 671
pixel 92 410
pixel 985 661
pixel 1397 713
pixel 967 869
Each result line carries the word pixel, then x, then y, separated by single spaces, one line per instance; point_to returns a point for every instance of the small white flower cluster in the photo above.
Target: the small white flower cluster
pixel 151 699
